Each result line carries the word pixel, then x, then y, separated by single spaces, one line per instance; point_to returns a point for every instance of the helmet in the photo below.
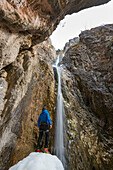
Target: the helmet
pixel 43 108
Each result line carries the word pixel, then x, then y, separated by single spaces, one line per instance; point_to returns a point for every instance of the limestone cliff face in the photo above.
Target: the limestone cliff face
pixel 32 19
pixel 37 17
pixel 27 84
pixel 88 98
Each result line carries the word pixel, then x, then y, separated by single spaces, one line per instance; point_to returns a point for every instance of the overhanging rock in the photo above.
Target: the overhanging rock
pixel 39 18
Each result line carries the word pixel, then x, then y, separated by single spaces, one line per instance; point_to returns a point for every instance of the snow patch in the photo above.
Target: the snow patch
pixel 39 161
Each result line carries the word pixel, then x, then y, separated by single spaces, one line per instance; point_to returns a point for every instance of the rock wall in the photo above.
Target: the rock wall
pixel 88 97
pixel 26 75
pixel 27 84
pixel 39 18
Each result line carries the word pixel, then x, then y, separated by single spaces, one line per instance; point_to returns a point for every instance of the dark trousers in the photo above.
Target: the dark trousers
pixel 43 130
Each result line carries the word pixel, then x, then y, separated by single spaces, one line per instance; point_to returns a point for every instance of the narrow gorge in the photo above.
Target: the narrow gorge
pixel 28 82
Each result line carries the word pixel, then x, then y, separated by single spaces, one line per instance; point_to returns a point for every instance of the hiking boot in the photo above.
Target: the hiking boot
pixel 46 150
pixel 38 150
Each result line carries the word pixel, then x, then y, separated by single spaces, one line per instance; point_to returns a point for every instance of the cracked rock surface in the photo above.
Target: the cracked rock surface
pixel 88 97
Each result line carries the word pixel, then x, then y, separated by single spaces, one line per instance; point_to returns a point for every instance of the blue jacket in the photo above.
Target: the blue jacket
pixel 44 117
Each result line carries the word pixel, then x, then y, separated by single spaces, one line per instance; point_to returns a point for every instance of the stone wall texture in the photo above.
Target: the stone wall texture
pixel 39 18
pixel 27 84
pixel 88 97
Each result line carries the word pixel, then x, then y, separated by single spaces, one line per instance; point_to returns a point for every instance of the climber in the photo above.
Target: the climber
pixel 44 124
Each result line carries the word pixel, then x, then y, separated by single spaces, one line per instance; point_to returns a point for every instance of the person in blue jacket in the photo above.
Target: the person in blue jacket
pixel 44 124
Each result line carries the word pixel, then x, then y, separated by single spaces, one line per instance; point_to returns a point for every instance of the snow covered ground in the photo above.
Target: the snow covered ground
pixel 39 161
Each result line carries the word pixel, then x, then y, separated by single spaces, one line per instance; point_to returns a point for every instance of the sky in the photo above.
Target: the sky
pixel 72 25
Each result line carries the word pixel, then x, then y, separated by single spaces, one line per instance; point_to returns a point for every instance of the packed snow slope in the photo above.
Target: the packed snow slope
pixel 39 161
